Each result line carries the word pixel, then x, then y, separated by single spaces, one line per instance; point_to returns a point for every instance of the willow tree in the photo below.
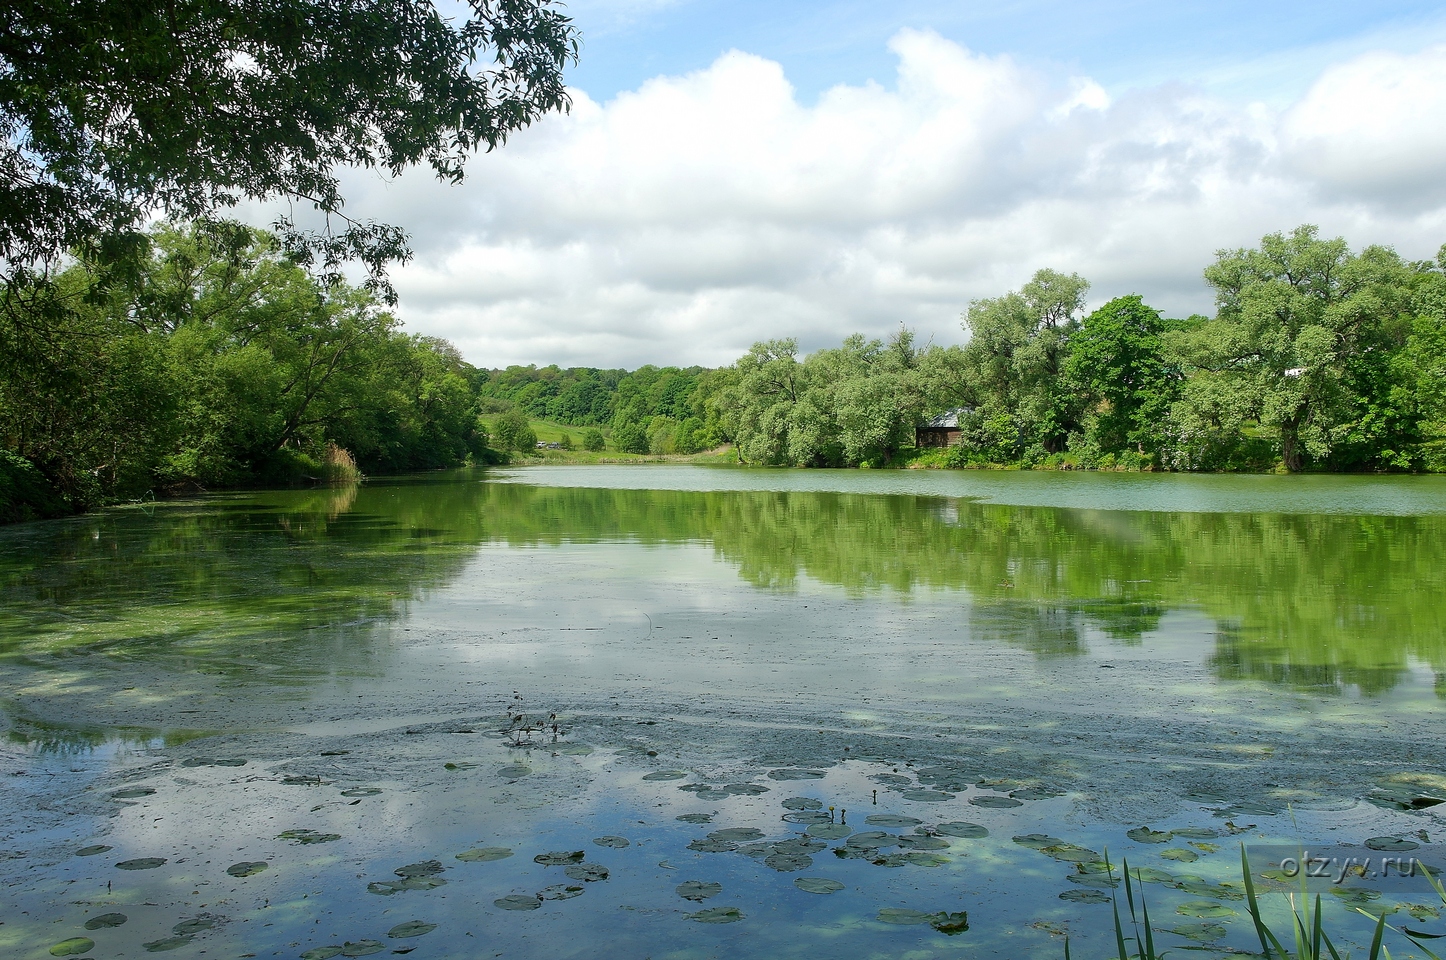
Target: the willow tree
pixel 116 110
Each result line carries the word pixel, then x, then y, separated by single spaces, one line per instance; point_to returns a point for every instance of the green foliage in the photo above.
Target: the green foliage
pixel 24 494
pixel 1117 362
pixel 592 440
pixel 220 363
pixel 512 432
pixel 114 110
pixel 629 436
pixel 853 405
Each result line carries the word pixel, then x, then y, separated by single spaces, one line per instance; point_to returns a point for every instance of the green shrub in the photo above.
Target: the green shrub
pixel 513 432
pixel 25 494
pixel 592 440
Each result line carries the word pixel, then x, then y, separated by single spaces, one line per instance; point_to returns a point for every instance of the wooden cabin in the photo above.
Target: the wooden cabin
pixel 940 431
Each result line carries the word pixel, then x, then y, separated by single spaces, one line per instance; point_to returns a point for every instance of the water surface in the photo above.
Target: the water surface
pixel 1260 658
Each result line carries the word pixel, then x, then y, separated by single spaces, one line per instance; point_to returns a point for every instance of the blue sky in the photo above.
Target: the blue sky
pixel 1262 50
pixel 738 171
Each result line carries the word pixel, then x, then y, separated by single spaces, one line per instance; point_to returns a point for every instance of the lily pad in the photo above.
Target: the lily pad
pixel 412 928
pixel 247 868
pixel 699 890
pixel 173 943
pixel 587 872
pixel 362 948
pixel 950 923
pixel 92 850
pixel 1205 909
pixel 737 834
pixel 793 774
pixel 1420 911
pixel 1070 853
pixel 665 775
pixel 990 802
pixel 800 845
pixel 920 858
pixel 384 888
pixel 1199 932
pixel 426 868
pixel 514 771
pixel 616 843
pixel 802 803
pixel 871 840
pixel 829 831
pixel 187 928
pixel 696 818
pixel 1195 833
pixel 926 796
pixel 1085 896
pixel 484 854
pixel 1038 841
pixel 1392 844
pixel 711 794
pixel 518 901
pixel 904 917
pixel 807 817
pixel 962 829
pixel 105 920
pixel 559 858
pixel 891 820
pixel 132 793
pixel 788 862
pixel 230 762
pixel 73 946
pixel 361 792
pixel 1146 835
pixel 1095 881
pixel 821 885
pixel 1151 875
pixel 1036 793
pixel 917 842
pixel 744 789
pixel 141 863
pixel 717 915
pixel 322 953
pixel 1356 896
pixel 308 836
pixel 561 891
pixel 892 779
pixel 421 883
pixel 573 750
pixel 1180 854
pixel 459 765
pixel 713 846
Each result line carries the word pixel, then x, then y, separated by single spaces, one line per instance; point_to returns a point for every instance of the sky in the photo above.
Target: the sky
pixel 739 171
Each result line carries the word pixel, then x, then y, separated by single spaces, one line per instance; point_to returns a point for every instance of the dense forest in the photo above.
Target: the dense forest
pixel 219 361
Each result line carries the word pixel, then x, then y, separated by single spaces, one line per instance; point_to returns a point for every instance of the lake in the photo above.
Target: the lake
pixel 687 712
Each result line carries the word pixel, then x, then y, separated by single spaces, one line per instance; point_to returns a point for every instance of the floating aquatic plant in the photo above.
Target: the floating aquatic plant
pixel 105 920
pixel 717 915
pixel 484 854
pixel 699 890
pixel 247 868
pixel 72 947
pixel 141 863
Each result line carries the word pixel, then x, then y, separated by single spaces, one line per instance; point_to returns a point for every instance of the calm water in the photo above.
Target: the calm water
pixel 1062 656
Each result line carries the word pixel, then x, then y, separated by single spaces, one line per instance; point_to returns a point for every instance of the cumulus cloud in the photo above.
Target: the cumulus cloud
pixel 680 222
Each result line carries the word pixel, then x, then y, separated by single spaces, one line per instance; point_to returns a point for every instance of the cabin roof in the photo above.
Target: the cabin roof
pixel 948 420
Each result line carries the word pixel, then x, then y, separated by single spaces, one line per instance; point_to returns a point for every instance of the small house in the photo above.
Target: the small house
pixel 940 431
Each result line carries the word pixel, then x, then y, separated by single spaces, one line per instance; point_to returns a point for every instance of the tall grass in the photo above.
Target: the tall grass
pixel 338 466
pixel 1308 935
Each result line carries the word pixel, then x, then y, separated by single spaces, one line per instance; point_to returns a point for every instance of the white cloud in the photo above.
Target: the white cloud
pixel 1375 127
pixel 682 221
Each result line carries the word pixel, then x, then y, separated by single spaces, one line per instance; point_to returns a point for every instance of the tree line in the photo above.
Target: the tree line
pixel 217 362
pixel 1317 358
